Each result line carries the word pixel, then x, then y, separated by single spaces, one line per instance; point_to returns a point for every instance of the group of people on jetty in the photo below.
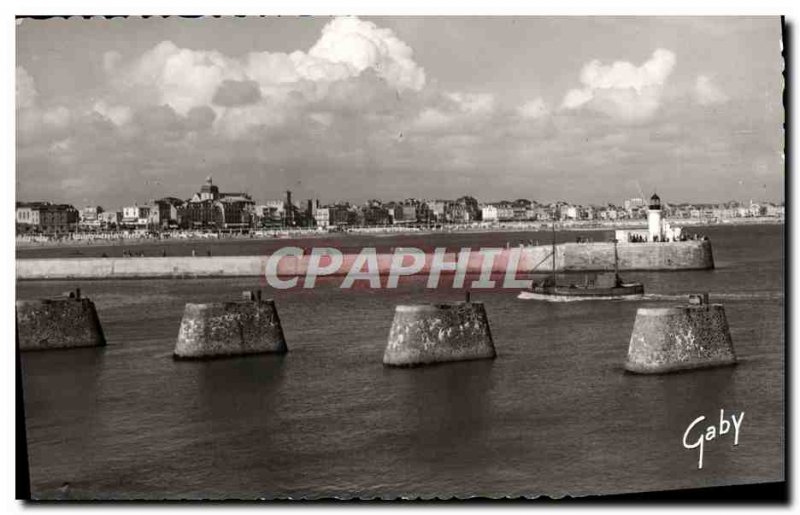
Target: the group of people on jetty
pixel 136 237
pixel 140 253
pixel 639 238
pixel 632 238
pixel 131 237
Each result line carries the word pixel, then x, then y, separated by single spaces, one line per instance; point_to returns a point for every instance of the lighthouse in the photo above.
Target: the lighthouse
pixel 654 219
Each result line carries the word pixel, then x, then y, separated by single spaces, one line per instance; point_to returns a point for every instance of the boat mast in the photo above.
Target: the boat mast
pixel 554 253
pixel 616 264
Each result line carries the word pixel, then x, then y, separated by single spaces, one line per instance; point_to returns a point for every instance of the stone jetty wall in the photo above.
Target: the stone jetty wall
pixel 678 255
pixel 434 333
pixel 60 323
pixel 576 257
pixel 249 326
pixel 678 338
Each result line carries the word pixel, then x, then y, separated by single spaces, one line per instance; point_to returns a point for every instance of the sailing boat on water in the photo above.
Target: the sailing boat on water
pixel 608 288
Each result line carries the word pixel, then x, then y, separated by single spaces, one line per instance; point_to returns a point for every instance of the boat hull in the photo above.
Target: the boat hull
pixel 564 293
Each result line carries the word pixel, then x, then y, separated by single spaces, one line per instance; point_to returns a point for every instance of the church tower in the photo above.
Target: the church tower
pixel 209 191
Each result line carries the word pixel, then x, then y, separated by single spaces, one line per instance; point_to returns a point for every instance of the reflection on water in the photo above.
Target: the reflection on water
pixel 448 412
pixel 554 414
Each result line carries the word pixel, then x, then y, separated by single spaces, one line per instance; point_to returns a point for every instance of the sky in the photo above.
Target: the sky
pixel 588 110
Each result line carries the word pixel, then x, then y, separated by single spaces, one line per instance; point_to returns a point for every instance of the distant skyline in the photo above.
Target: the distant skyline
pixel 587 110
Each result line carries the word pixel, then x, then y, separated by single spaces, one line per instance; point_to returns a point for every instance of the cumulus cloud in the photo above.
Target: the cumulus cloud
pixel 57 117
pixel 576 98
pixel 233 93
pixel 324 119
pixel 200 118
pixel 362 45
pixel 180 77
pixel 430 119
pixel 347 50
pixel 62 145
pixel 533 109
pixel 238 122
pixel 117 114
pixel 37 121
pixel 26 89
pixel 623 90
pixel 473 103
pixel 456 109
pixel 707 93
pixel 42 124
pixel 162 119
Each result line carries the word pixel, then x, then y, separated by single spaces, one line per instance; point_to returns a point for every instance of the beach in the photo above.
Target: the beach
pixel 132 238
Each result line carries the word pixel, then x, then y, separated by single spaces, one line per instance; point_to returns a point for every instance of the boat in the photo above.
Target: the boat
pixel 608 287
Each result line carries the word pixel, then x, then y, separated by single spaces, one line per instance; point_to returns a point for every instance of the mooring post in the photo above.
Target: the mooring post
pixel 695 335
pixel 62 322
pixel 249 326
pixel 423 334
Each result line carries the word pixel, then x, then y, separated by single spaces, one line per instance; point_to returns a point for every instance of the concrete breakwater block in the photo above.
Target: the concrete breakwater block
pixel 249 326
pixel 678 338
pixel 58 323
pixel 433 333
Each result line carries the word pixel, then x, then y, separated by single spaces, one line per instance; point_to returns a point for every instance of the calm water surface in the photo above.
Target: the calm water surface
pixel 554 414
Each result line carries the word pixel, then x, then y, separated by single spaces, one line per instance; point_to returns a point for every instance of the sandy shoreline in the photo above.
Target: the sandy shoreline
pixel 309 235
